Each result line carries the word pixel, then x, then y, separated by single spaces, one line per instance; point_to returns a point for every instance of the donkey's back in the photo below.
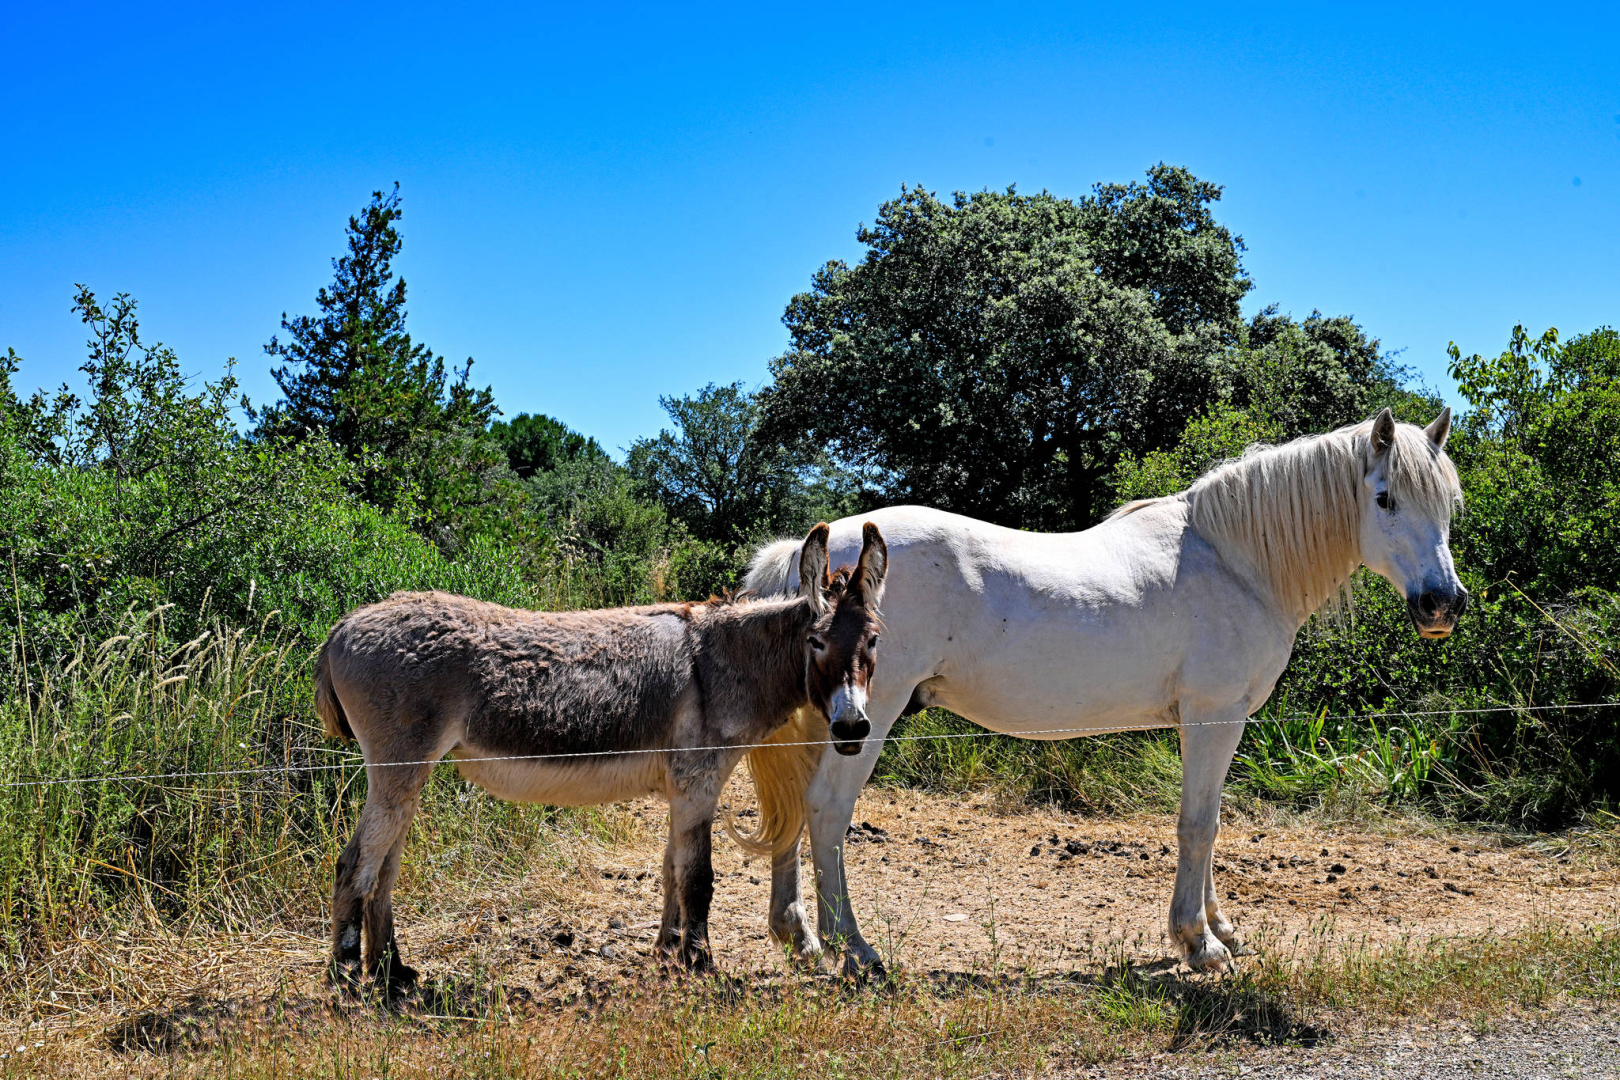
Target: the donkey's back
pixel 419 675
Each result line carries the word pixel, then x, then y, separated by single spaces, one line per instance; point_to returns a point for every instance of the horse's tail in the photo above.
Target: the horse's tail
pixel 773 567
pixel 327 705
pixel 782 770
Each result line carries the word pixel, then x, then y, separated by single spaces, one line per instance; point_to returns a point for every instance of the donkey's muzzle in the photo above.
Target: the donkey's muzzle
pixel 1434 612
pixel 848 735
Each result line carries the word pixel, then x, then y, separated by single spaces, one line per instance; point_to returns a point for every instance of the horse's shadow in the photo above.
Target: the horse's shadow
pixel 1205 1009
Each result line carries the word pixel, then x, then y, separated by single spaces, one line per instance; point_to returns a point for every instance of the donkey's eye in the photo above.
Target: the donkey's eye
pixel 818 644
pixel 1384 501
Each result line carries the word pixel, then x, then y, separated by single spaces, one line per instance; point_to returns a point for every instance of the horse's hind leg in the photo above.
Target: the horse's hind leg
pixel 1219 924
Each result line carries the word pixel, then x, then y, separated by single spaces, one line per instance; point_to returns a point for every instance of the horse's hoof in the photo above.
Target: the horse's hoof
pixel 1210 956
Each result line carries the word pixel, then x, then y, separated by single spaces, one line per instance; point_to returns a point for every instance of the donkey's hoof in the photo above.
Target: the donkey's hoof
pixel 698 962
pixel 344 976
pixel 395 977
pixel 1209 955
pixel 864 967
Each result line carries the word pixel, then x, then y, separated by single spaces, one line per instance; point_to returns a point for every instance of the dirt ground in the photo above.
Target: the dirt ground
pixel 944 884
pixel 941 885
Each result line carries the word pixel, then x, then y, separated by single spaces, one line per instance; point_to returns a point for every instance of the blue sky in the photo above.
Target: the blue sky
pixel 602 208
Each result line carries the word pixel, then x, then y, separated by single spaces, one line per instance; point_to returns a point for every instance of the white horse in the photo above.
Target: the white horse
pixel 1174 612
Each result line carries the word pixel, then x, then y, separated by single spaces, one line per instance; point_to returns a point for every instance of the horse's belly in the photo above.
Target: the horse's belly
pixel 586 782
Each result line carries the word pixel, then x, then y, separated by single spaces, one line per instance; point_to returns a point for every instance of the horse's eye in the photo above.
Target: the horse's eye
pixel 873 643
pixel 1384 501
pixel 818 645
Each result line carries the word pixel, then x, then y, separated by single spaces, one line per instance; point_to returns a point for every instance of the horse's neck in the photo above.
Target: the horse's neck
pixel 754 655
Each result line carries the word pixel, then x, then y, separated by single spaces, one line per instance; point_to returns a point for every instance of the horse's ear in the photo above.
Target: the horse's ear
pixel 1383 432
pixel 1440 428
pixel 813 580
pixel 874 565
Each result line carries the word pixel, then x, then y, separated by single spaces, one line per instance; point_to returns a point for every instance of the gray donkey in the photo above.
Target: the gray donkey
pixel 590 707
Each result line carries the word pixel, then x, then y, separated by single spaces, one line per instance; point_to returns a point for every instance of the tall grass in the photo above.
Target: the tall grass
pixel 97 827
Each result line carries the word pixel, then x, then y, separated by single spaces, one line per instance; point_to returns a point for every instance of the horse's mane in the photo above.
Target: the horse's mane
pixel 1292 512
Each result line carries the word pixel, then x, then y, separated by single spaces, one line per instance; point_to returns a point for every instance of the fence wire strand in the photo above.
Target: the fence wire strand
pixel 356 761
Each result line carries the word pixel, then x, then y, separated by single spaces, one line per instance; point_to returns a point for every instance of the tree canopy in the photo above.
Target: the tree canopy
pixel 354 373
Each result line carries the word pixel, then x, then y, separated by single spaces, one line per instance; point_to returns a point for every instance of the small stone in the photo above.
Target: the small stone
pixel 1036 850
pixel 1144 856
pixel 1455 849
pixel 1336 868
pixel 1324 851
pixel 563 938
pixel 607 952
pixel 1332 878
pixel 615 923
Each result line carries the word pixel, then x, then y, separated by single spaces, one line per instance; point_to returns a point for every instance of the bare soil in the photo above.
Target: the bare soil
pixel 942 883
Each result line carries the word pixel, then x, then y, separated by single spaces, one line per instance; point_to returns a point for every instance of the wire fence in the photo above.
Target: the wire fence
pixel 355 761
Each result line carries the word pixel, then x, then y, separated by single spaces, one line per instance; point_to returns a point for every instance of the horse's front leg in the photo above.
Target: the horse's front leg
pixel 830 804
pixel 1208 741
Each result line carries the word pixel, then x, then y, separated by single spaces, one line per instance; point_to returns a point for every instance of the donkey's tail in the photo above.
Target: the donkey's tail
pixel 327 704
pixel 772 569
pixel 782 770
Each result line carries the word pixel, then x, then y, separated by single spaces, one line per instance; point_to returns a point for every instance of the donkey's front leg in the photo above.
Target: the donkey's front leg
pixel 1208 740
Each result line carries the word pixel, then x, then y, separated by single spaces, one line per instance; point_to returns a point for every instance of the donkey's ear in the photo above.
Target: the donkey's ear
pixel 1383 432
pixel 1440 428
pixel 874 565
pixel 813 578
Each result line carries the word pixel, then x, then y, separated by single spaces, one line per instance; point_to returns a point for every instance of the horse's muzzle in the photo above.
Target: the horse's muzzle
pixel 1434 612
pixel 848 735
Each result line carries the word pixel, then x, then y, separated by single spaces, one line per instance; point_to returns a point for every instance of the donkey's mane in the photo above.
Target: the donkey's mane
pixel 1293 512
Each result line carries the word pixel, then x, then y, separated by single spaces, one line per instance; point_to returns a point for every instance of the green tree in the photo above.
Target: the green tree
pixel 1541 446
pixel 388 402
pixel 997 354
pixel 142 490
pixel 538 443
pixel 717 475
pixel 1160 237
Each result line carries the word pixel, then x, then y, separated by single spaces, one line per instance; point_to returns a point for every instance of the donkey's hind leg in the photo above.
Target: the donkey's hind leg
pixel 668 945
pixel 362 894
pixel 691 835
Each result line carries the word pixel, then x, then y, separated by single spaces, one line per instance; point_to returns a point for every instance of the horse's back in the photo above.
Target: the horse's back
pixel 1025 631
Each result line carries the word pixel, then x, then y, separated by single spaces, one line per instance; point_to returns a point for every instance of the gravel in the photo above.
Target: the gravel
pixel 1574 1044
